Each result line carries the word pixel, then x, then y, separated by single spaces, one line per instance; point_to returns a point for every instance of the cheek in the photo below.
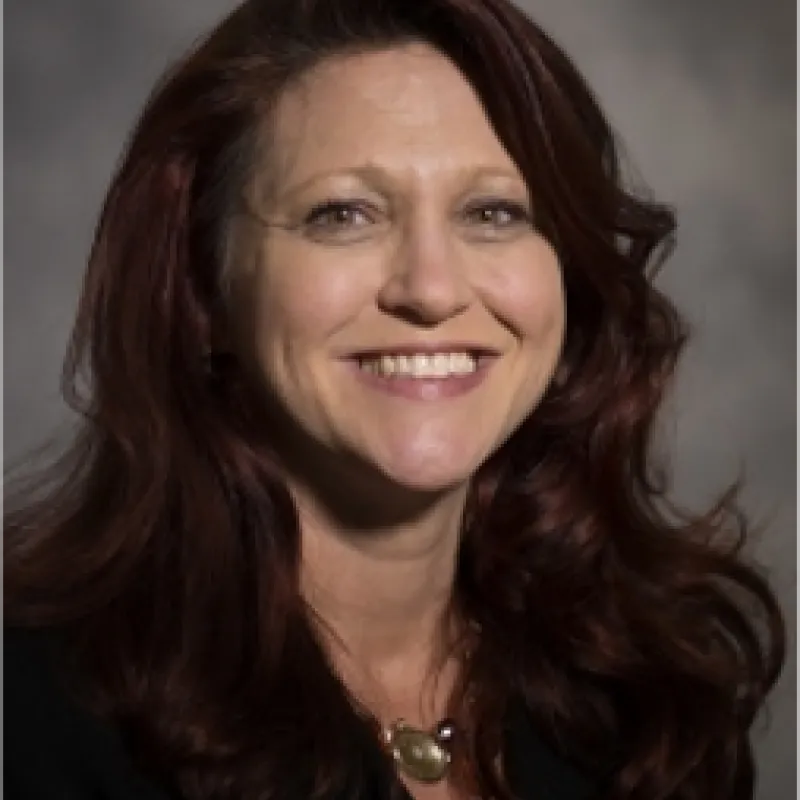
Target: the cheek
pixel 530 299
pixel 300 301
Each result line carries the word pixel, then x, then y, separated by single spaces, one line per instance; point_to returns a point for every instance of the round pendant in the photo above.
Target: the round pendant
pixel 418 754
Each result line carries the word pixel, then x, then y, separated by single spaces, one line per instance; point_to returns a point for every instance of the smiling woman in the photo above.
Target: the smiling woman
pixel 364 502
pixel 399 239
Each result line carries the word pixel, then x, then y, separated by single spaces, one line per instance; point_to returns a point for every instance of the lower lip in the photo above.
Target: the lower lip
pixel 424 388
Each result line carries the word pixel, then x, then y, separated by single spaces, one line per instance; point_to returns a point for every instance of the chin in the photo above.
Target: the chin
pixel 430 477
pixel 428 464
pixel 433 463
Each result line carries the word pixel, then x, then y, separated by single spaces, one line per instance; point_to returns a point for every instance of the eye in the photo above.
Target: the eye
pixel 334 214
pixel 498 213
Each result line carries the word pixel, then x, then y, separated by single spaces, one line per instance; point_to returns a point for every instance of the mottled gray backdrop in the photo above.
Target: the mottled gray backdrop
pixel 703 94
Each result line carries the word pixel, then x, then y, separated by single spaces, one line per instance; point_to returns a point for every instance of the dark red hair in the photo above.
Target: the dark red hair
pixel 167 546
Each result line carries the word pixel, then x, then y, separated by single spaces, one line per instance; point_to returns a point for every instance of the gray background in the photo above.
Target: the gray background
pixel 703 92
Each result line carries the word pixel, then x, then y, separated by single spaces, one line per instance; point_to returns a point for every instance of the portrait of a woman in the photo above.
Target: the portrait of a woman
pixel 364 502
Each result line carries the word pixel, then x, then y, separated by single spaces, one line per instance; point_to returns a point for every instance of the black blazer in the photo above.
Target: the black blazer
pixel 53 750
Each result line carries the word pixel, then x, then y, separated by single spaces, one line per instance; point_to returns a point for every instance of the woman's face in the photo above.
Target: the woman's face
pixel 399 248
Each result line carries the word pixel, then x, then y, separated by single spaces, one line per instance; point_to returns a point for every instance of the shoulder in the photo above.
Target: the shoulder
pixel 536 770
pixel 39 716
pixel 52 747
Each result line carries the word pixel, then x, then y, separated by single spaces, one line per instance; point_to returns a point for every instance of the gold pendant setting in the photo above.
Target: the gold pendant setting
pixel 423 756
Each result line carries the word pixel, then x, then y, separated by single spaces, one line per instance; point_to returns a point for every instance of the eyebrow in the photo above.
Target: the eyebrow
pixel 379 177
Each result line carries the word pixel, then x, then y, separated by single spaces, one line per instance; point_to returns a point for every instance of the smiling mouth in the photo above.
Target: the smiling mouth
pixel 441 361
pixel 421 365
pixel 424 372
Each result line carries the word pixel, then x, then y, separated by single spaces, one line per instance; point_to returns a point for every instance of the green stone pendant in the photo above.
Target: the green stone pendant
pixel 420 755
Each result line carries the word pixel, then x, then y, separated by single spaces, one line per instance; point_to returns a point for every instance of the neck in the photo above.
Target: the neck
pixel 383 596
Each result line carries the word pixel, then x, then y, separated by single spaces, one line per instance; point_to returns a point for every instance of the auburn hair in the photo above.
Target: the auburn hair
pixel 167 546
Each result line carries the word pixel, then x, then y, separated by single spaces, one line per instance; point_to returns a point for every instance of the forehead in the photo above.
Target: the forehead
pixel 405 108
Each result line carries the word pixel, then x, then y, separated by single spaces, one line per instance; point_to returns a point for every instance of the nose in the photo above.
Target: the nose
pixel 427 282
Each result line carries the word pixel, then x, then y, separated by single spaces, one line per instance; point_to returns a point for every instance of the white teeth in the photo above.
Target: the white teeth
pixel 421 365
pixel 387 365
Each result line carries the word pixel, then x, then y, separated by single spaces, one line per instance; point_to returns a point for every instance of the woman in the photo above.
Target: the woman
pixel 364 502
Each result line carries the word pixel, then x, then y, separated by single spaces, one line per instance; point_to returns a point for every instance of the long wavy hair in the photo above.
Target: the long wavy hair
pixel 165 543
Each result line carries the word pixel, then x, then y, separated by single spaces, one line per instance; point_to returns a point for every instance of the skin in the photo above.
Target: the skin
pixel 380 481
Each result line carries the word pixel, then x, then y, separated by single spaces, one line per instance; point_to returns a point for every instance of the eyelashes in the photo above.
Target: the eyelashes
pixel 354 218
pixel 488 212
pixel 337 213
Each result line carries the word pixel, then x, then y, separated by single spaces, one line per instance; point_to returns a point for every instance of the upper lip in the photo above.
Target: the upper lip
pixel 427 348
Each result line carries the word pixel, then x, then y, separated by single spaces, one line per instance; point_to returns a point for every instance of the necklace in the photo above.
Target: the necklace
pixel 422 755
